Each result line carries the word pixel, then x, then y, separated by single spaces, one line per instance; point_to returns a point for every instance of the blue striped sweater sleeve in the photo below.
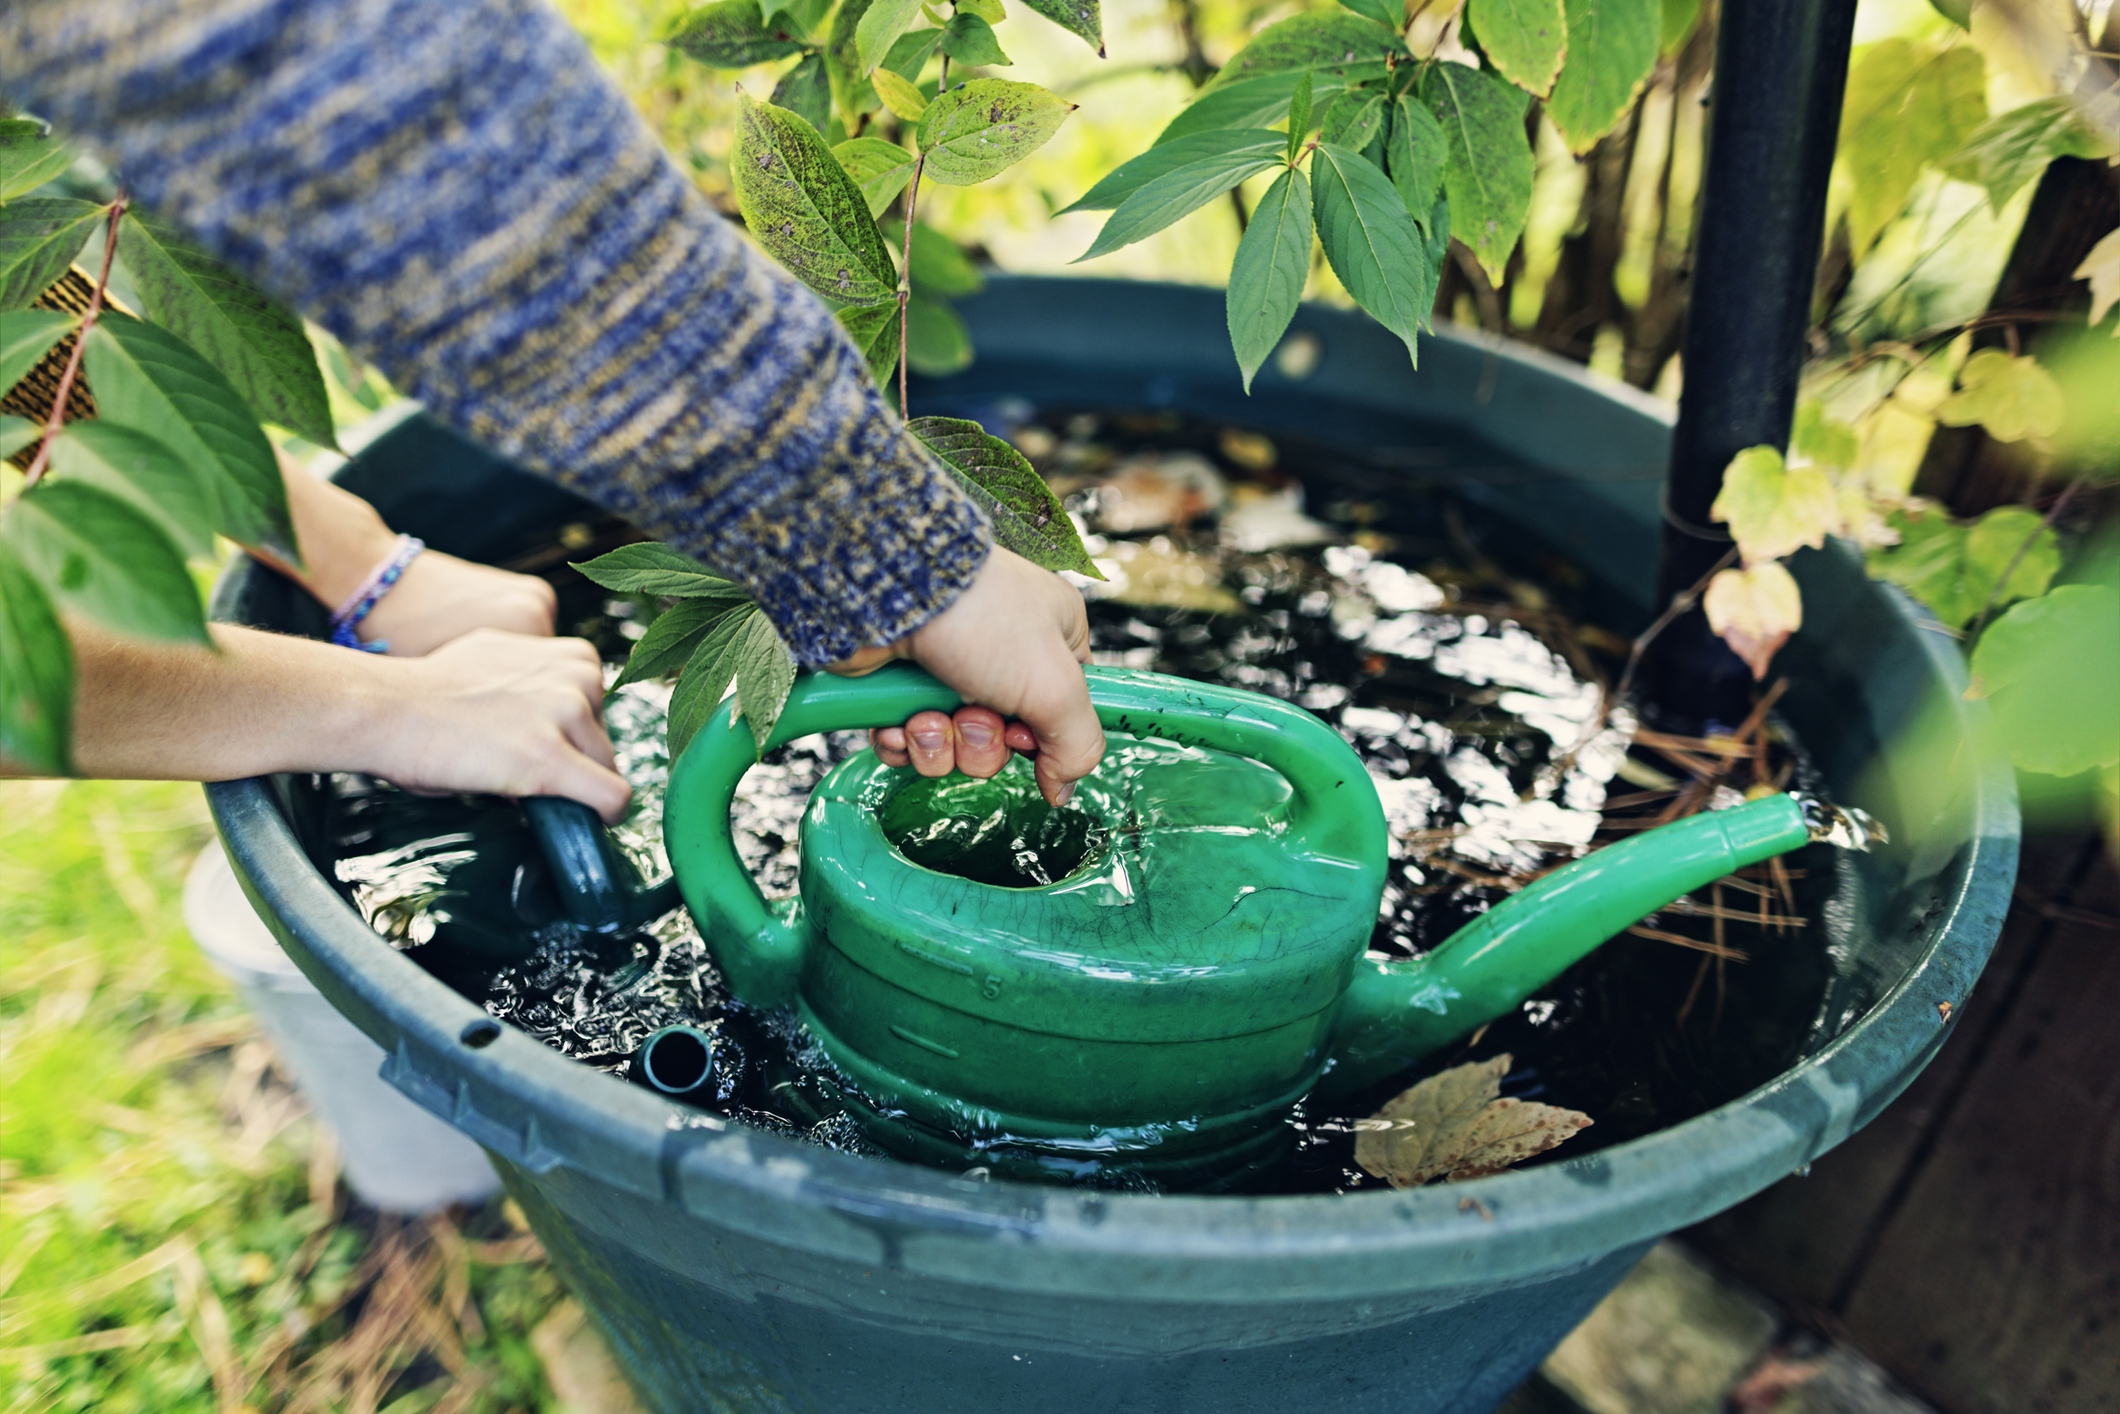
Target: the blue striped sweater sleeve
pixel 454 189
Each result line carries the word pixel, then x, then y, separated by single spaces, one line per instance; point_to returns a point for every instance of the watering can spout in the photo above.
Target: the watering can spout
pixel 1394 1013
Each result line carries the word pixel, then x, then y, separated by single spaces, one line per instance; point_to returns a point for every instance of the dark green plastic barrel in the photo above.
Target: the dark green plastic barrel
pixel 736 1271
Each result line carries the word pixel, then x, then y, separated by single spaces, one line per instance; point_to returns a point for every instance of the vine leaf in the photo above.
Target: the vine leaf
pixel 706 678
pixel 1182 191
pixel 805 210
pixel 1773 508
pixel 36 675
pixel 879 28
pixel 39 238
pixel 1455 1125
pixel 1316 39
pixel 1371 241
pixel 1129 177
pixel 2011 148
pixel 881 169
pixel 1263 101
pixel 1273 262
pixel 1082 18
pixel 1956 568
pixel 2050 670
pixel 765 674
pixel 1028 518
pixel 970 40
pixel 936 342
pixel 141 471
pixel 258 346
pixel 2102 268
pixel 1754 610
pixel 26 336
pixel 806 91
pixel 651 567
pixel 1612 47
pixel 28 158
pixel 874 330
pixel 1525 39
pixel 675 636
pixel 149 379
pixel 984 126
pixel 1487 166
pixel 2013 398
pixel 105 560
pixel 899 95
pixel 731 34
pixel 1910 105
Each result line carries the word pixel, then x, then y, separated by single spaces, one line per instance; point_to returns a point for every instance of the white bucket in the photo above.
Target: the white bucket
pixel 397 1157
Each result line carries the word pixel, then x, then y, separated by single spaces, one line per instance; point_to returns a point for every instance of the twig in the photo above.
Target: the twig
pixel 57 419
pixel 1712 949
pixel 905 283
pixel 1680 603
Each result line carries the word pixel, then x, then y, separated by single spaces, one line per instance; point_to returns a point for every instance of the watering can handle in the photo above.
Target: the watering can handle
pixel 759 949
pixel 595 882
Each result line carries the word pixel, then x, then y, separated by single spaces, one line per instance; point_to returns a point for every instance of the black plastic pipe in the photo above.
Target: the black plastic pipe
pixel 1774 117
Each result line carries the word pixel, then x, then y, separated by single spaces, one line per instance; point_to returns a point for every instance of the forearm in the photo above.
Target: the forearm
pixel 340 536
pixel 458 194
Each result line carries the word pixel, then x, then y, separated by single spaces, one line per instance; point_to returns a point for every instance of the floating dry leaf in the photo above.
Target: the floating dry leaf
pixel 1455 1125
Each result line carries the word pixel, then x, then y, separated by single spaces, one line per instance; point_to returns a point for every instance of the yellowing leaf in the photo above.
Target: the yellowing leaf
pixel 2102 268
pixel 899 96
pixel 1773 509
pixel 1910 105
pixel 1754 609
pixel 1455 1126
pixel 1822 440
pixel 2013 398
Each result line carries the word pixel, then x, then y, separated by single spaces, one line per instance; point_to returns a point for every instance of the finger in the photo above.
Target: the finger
pixel 980 748
pixel 584 731
pixel 928 739
pixel 1020 738
pixel 889 745
pixel 1070 742
pixel 575 776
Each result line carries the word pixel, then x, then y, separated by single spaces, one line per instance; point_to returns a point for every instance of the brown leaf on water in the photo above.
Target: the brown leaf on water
pixel 1456 1125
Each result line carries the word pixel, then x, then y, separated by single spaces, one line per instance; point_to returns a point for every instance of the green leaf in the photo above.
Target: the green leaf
pixel 1028 518
pixel 940 268
pixel 29 159
pixel 879 29
pixel 1123 181
pixel 1611 49
pixel 1487 168
pixel 258 346
pixel 1416 154
pixel 2012 148
pixel 881 169
pixel 1371 241
pixel 970 40
pixel 1939 562
pixel 981 127
pixel 1679 19
pixel 651 567
pixel 1773 508
pixel 17 433
pixel 1354 118
pixel 1910 105
pixel 1261 102
pixel 1316 39
pixel 1273 263
pixel 36 676
pixel 1821 439
pixel 1524 40
pixel 1177 194
pixel 105 560
pixel 1298 118
pixel 2050 670
pixel 851 88
pixel 2013 398
pixel 1958 12
pixel 675 635
pixel 732 34
pixel 899 95
pixel 910 54
pixel 988 10
pixel 806 91
pixel 147 378
pixel 803 16
pixel 26 336
pixel 39 238
pixel 1387 13
pixel 765 674
pixel 2015 541
pixel 874 330
pixel 705 680
pixel 1081 18
pixel 805 210
pixel 140 471
pixel 936 342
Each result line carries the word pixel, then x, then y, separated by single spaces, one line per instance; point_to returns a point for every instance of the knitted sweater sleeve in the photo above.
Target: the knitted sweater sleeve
pixel 459 194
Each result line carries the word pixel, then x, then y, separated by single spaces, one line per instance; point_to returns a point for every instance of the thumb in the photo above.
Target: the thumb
pixel 1070 739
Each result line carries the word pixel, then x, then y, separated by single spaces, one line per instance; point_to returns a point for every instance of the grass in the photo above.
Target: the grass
pixel 173 1237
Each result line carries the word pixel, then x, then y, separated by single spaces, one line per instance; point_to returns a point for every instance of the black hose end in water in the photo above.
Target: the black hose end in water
pixel 687 1063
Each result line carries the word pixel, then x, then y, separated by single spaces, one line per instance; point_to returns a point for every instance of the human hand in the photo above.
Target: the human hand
pixel 440 597
pixel 506 713
pixel 1012 646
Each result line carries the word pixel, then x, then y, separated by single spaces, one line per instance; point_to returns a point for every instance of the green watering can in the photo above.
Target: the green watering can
pixel 1162 1008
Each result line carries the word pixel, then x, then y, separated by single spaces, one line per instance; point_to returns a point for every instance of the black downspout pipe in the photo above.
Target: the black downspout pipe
pixel 1780 69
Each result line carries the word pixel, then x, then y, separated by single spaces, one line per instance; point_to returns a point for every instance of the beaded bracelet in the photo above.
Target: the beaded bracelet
pixel 363 600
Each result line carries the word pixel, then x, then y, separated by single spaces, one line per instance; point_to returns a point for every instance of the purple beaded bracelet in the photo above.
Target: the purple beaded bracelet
pixel 363 600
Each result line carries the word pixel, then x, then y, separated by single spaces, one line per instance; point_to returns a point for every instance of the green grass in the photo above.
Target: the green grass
pixel 172 1235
